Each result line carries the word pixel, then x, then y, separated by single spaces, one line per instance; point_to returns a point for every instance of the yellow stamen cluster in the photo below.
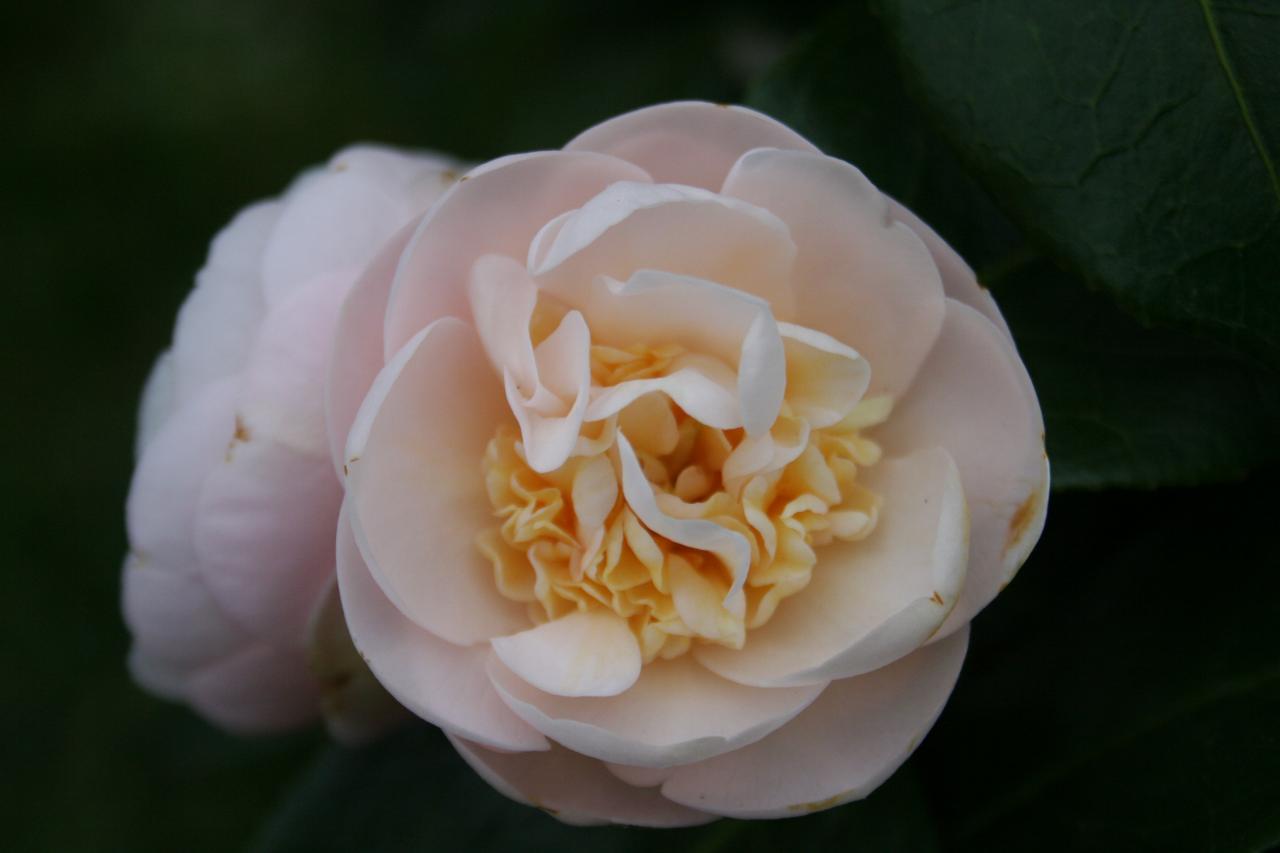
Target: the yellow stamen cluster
pixel 558 558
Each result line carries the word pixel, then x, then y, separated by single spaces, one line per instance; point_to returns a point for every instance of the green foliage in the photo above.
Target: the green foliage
pixel 1138 141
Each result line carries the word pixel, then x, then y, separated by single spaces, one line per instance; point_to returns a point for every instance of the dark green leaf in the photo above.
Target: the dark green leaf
pixel 1124 691
pixel 411 792
pixel 1124 405
pixel 1136 141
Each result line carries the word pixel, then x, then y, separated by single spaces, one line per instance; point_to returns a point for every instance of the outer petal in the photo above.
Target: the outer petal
pixel 873 601
pixel 417 496
pixel 283 393
pixel 688 231
pixel 261 689
pixel 495 209
pixel 958 279
pixel 219 319
pixel 586 653
pixel 264 535
pixel 973 397
pixel 357 356
pixel 573 788
pixel 173 617
pixel 339 217
pixel 159 399
pixel 163 496
pixel 839 749
pixel 688 142
pixel 861 277
pixel 676 713
pixel 440 682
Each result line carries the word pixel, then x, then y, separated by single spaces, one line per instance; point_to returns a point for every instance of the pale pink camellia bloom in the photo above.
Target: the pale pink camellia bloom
pixel 229 587
pixel 676 464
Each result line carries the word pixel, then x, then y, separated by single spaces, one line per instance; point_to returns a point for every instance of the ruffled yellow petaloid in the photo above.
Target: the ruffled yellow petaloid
pixel 566 540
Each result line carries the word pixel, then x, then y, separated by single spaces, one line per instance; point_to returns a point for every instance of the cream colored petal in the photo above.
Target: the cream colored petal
pixel 825 378
pixel 676 713
pixel 440 682
pixel 870 601
pixel 631 226
pixel 688 142
pixel 860 276
pixel 974 398
pixel 416 493
pixel 586 653
pixel 731 548
pixel 496 209
pixel 573 789
pixel 841 748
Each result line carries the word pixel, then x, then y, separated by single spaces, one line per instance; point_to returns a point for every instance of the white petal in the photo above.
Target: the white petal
pixel 974 398
pixel 632 226
pixel 653 308
pixel 260 690
pixel 496 209
pixel 174 617
pixel 418 498
pixel 860 276
pixel 159 399
pixel 689 142
pixel 870 601
pixel 676 713
pixel 586 653
pixel 857 733
pixel 440 682
pixel 573 789
pixel 562 376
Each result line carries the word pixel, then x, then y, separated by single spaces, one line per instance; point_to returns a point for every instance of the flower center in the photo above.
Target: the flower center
pixel 568 539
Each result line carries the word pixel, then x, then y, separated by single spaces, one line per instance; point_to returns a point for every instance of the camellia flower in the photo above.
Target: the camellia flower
pixel 229 582
pixel 677 463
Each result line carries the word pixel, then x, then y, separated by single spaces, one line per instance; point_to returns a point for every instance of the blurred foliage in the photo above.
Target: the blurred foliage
pixel 1121 695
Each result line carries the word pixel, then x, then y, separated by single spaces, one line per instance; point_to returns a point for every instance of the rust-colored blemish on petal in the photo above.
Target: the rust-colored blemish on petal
pixel 239 436
pixel 1021 520
pixel 820 805
pixel 449 176
pixel 937 598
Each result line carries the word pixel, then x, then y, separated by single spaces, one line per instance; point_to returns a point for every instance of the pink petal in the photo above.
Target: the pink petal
pixel 688 142
pixel 174 617
pixel 163 496
pixel 283 394
pixel 974 398
pixel 676 713
pixel 573 789
pixel 586 653
pixel 857 733
pixel 440 682
pixel 159 399
pixel 872 601
pixel 417 495
pixel 495 209
pixel 688 231
pixel 219 320
pixel 958 279
pixel 264 535
pixel 259 690
pixel 861 277
pixel 357 353
pixel 334 219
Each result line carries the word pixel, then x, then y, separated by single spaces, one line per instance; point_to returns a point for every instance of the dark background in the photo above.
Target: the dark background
pixel 1123 694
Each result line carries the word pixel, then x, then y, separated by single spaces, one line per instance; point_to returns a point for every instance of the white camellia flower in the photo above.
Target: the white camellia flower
pixel 676 464
pixel 229 582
